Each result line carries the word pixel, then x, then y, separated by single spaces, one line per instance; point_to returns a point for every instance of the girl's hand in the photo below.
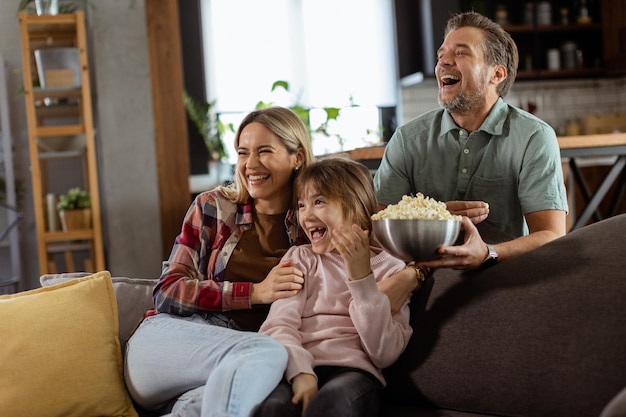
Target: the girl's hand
pixel 304 387
pixel 354 246
pixel 283 281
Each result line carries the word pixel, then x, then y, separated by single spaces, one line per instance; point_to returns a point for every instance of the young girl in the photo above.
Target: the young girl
pixel 338 330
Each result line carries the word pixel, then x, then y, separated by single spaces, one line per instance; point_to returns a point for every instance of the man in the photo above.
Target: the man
pixel 488 160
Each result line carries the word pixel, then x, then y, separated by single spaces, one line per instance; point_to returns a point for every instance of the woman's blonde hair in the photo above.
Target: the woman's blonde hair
pixel 345 181
pixel 289 128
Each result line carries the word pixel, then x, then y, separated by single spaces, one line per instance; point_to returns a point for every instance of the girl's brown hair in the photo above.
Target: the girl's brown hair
pixel 344 181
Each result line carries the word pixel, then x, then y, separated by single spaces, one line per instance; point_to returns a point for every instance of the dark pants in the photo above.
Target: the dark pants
pixel 342 392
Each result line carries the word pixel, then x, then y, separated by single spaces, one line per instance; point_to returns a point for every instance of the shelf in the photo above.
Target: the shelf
pixel 531 29
pixel 60 128
pixel 67 130
pixel 84 234
pixel 563 73
pixel 79 153
pixel 69 92
pixel 51 25
pixel 67 246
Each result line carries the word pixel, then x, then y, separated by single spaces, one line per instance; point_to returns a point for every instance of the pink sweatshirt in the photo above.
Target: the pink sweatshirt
pixel 336 322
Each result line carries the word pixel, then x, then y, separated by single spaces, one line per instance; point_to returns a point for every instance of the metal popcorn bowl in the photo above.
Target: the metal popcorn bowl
pixel 416 239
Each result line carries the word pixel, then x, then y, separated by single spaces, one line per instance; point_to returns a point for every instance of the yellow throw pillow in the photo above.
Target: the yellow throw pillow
pixel 60 352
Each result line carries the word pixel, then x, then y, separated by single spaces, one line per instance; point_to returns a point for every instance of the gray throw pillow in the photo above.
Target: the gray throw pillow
pixel 134 298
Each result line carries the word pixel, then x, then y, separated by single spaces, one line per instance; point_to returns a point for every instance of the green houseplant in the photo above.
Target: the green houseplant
pixel 75 209
pixel 209 126
pixel 332 113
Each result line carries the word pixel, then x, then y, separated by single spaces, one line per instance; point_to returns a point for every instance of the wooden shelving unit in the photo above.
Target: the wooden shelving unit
pixel 61 131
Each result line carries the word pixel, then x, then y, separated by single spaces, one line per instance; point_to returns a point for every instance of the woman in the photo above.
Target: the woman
pixel 224 271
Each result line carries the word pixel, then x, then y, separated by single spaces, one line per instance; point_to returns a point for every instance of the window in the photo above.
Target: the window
pixel 332 53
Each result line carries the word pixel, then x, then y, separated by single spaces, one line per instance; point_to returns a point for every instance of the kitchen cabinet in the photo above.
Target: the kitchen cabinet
pixel 61 139
pixel 586 37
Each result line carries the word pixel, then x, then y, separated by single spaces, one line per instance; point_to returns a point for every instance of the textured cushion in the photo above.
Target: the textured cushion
pixel 60 354
pixel 134 298
pixel 543 334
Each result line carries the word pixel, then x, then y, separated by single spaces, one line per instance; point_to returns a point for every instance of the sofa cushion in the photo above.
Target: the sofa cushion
pixel 134 298
pixel 543 334
pixel 60 353
pixel 617 406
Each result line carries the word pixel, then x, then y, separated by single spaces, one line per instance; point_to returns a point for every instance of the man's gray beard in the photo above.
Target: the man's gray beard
pixel 466 101
pixel 462 103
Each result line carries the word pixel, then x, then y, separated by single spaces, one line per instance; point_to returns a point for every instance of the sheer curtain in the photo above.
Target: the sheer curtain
pixel 333 53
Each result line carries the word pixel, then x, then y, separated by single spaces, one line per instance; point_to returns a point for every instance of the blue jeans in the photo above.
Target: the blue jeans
pixel 203 369
pixel 345 392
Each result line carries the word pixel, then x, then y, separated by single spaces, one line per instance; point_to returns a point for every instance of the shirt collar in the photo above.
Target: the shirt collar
pixel 493 124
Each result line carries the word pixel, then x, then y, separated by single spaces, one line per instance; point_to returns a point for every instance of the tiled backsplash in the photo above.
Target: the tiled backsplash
pixel 557 101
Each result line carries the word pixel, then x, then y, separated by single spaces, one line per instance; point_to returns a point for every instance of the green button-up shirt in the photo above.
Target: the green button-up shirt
pixel 512 162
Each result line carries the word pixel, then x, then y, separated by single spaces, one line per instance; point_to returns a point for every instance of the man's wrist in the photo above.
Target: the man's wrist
pixel 492 257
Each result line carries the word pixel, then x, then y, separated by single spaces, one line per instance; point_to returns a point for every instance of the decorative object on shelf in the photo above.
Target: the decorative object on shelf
pixel 502 15
pixel 47 7
pixel 50 7
pixel 58 67
pixel 75 210
pixel 544 13
pixel 564 15
pixel 529 13
pixel 554 59
pixel 583 13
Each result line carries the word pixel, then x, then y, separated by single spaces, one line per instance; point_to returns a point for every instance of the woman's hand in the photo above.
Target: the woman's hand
pixel 304 387
pixel 354 246
pixel 477 211
pixel 283 281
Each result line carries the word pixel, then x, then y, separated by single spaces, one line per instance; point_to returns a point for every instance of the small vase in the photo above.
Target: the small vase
pixel 50 7
pixel 75 219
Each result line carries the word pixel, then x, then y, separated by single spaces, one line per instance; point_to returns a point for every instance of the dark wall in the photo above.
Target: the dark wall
pixel 193 72
pixel 419 31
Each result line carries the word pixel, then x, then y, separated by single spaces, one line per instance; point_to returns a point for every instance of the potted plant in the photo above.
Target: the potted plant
pixel 75 209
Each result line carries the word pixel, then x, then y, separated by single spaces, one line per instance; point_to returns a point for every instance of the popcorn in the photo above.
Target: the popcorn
pixel 418 207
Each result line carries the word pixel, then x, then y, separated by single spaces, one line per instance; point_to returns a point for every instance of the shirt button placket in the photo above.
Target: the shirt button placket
pixel 464 161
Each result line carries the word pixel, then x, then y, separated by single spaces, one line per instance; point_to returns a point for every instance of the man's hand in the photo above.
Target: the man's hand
pixel 283 281
pixel 304 387
pixel 477 211
pixel 469 255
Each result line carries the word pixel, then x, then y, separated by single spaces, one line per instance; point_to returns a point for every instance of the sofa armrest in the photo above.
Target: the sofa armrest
pixel 542 334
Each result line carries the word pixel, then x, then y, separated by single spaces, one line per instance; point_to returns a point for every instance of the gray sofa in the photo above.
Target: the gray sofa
pixel 543 334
